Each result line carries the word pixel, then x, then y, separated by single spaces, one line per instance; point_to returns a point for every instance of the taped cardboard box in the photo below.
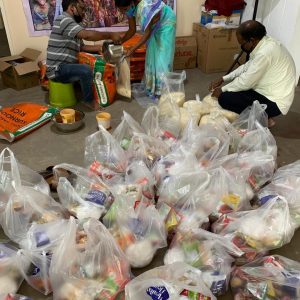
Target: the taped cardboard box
pixel 217 48
pixel 185 53
pixel 20 71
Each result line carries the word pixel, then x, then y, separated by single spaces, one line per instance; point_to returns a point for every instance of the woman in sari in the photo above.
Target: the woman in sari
pixel 157 22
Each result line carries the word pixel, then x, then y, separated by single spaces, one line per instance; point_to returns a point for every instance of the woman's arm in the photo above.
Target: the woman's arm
pixel 131 31
pixel 145 36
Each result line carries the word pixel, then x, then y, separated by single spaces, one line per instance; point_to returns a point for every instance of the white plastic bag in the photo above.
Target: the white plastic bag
pixel 126 130
pixel 123 81
pixel 13 175
pixel 175 281
pixel 139 232
pixel 83 193
pixel 88 264
pixel 10 275
pixel 207 252
pixel 104 156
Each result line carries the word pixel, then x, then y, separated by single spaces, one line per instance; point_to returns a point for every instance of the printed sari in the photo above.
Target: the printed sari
pixel 161 44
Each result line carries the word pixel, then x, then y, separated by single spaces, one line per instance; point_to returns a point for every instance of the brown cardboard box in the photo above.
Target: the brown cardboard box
pixel 185 53
pixel 20 71
pixel 217 48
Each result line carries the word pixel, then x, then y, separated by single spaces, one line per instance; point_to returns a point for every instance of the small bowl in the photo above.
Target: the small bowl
pixel 79 117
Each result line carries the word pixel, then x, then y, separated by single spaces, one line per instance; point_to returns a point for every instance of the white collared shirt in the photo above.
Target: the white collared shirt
pixel 270 71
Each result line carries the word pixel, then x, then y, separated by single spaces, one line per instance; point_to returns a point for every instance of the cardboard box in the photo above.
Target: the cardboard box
pixel 185 53
pixel 212 17
pixel 217 48
pixel 20 71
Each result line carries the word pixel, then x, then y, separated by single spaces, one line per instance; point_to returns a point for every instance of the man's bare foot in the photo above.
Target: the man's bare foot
pixel 271 123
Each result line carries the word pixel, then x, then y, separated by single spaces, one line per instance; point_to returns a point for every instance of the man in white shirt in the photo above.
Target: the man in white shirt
pixel 269 76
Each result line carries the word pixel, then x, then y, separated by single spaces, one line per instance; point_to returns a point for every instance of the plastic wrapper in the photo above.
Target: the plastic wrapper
pixel 104 156
pixel 173 87
pixel 146 148
pixel 207 252
pixel 14 175
pixel 175 281
pixel 26 207
pixel 126 130
pixel 270 277
pixel 175 190
pixel 251 118
pixel 11 296
pixel 82 192
pixel 260 139
pixel 139 232
pixel 88 264
pixel 266 228
pixel 10 275
pixel 35 266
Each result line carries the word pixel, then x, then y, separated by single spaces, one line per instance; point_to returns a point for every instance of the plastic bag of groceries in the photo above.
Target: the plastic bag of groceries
pixel 26 207
pixel 175 281
pixel 10 275
pixel 44 237
pixel 88 264
pixel 260 139
pixel 14 175
pixel 146 148
pixel 175 162
pixel 35 266
pixel 208 252
pixel 175 190
pixel 266 228
pixel 269 277
pixel 173 87
pixel 11 296
pixel 285 183
pixel 169 118
pixel 126 130
pixel 207 142
pixel 139 231
pixel 137 173
pixel 82 192
pixel 251 117
pixel 104 156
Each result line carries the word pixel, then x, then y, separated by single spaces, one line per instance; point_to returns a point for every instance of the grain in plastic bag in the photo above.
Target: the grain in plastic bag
pixel 14 175
pixel 10 275
pixel 83 193
pixel 104 156
pixel 139 232
pixel 88 264
pixel 126 130
pixel 175 281
pixel 123 79
pixel 26 207
pixel 269 277
pixel 208 252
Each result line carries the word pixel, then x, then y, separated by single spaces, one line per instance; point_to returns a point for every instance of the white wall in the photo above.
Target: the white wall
pixel 188 11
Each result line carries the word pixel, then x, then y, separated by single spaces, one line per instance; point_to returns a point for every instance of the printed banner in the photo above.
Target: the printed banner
pixel 100 15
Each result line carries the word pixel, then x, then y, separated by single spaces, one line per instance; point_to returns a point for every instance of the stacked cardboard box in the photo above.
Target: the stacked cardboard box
pixel 217 48
pixel 185 53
